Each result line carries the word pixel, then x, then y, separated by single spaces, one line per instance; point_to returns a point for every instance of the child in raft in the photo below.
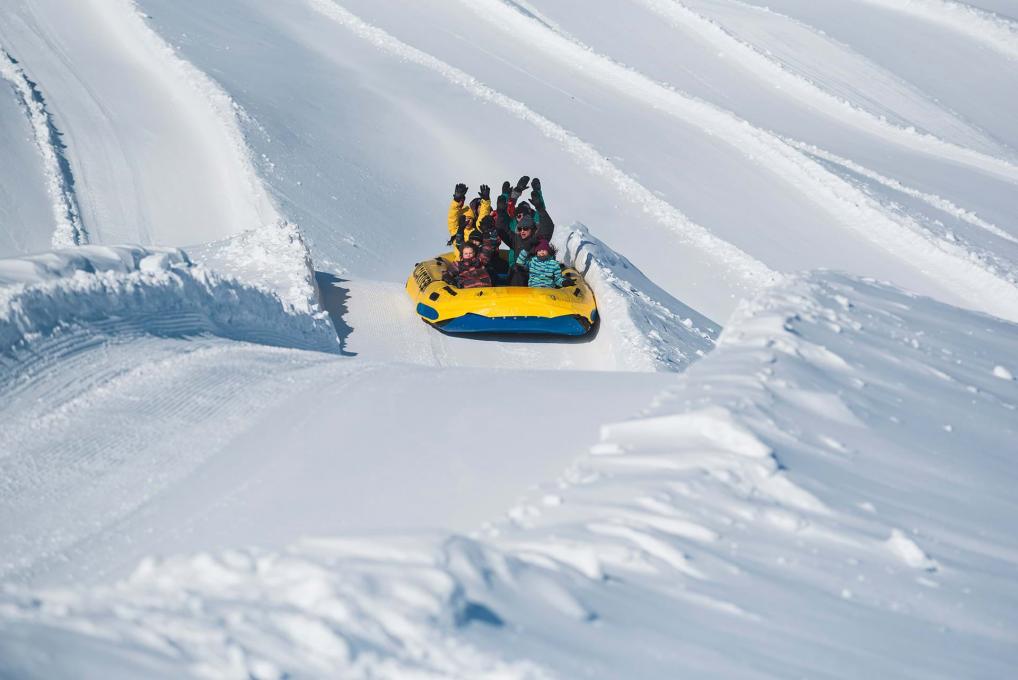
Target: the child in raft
pixel 544 271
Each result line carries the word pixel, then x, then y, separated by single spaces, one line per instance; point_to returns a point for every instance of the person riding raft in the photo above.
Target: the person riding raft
pixel 471 269
pixel 463 219
pixel 519 226
pixel 543 271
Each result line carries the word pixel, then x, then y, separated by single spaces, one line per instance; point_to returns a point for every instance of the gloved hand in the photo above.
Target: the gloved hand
pixel 485 192
pixel 506 187
pixel 460 192
pixel 521 185
pixel 452 239
pixel 536 197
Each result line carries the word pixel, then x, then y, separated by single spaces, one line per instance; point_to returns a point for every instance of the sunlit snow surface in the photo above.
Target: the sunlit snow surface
pixel 229 447
pixel 827 493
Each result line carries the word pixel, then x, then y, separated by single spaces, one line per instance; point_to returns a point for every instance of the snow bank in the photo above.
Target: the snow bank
pixel 274 257
pixel 838 469
pixel 648 329
pixel 68 230
pixel 132 289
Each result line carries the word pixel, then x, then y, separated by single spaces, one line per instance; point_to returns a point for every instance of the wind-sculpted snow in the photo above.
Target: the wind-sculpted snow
pixel 68 229
pixel 839 469
pixel 111 290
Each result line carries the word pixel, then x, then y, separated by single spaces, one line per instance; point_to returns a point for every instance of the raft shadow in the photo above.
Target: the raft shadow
pixel 333 297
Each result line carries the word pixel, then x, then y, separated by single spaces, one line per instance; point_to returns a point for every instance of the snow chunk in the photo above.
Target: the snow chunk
pixel 906 550
pixel 1002 373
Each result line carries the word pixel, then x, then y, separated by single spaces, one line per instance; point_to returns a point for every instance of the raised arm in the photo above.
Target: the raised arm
pixel 545 225
pixel 459 194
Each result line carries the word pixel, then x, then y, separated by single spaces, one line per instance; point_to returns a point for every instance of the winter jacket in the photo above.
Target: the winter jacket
pixel 505 222
pixel 544 272
pixel 472 273
pixel 470 218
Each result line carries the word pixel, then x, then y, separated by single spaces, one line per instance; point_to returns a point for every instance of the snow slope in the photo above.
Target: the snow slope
pixel 230 449
pixel 723 520
pixel 157 157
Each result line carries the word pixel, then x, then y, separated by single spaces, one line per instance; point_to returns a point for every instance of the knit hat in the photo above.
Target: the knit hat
pixel 526 222
pixel 523 208
pixel 542 245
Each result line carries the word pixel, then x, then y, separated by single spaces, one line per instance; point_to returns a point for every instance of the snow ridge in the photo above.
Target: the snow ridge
pixel 750 273
pixel 984 27
pixel 68 230
pixel 650 330
pixel 772 72
pixel 932 199
pixel 49 300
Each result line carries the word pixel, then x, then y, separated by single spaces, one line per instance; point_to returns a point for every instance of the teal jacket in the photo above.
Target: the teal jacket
pixel 544 273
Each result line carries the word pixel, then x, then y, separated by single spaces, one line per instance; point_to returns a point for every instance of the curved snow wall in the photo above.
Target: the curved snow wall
pixel 67 296
pixel 642 324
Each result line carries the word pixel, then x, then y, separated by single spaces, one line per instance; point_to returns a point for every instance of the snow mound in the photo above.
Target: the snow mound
pixel 111 290
pixel 721 510
pixel 274 257
pixel 649 329
pixel 355 609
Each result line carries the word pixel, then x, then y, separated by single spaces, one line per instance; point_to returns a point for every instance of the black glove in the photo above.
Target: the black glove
pixel 460 192
pixel 536 184
pixel 452 239
pixel 521 185
pixel 485 192
pixel 537 198
pixel 506 187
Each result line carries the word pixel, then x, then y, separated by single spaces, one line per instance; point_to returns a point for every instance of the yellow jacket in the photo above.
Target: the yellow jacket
pixel 456 209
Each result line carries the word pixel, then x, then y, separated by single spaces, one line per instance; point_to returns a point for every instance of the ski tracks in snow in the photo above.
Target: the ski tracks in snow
pixel 771 71
pixel 68 229
pixel 985 28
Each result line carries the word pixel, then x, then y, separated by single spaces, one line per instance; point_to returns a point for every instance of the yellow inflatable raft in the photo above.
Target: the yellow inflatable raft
pixel 501 309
